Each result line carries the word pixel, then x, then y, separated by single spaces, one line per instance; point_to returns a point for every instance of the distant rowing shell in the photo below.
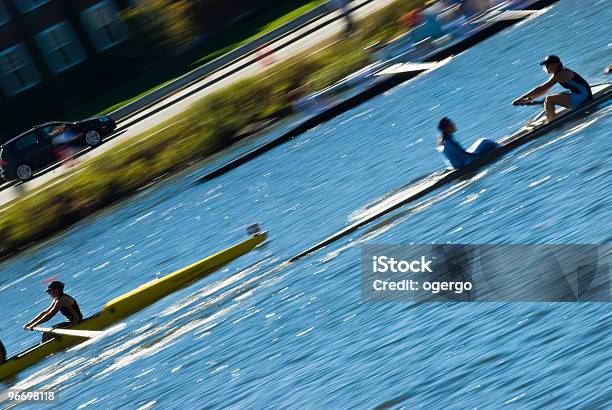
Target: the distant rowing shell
pixel 535 128
pixel 131 302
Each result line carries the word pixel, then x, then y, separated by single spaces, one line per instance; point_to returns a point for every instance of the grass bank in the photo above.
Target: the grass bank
pixel 153 78
pixel 205 128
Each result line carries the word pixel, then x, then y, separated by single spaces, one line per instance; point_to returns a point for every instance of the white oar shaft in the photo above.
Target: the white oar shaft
pixel 68 332
pixel 411 67
pixel 507 15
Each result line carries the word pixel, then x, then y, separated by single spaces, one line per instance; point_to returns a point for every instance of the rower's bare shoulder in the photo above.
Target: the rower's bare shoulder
pixel 65 300
pixel 564 76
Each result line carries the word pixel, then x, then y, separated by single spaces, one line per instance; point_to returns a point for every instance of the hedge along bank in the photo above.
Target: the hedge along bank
pixel 203 129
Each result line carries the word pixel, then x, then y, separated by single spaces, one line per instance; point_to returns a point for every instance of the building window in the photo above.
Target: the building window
pixel 60 47
pixel 27 5
pixel 104 25
pixel 4 14
pixel 17 72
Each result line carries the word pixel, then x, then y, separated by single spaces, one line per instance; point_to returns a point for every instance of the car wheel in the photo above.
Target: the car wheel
pixel 93 138
pixel 24 172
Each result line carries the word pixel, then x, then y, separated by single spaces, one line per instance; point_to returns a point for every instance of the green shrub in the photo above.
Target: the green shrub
pixel 201 130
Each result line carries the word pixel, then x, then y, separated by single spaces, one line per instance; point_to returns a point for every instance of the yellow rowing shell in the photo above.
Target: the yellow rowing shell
pixel 131 302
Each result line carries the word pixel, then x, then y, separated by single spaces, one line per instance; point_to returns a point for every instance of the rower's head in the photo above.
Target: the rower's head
pixel 446 126
pixel 552 64
pixel 55 289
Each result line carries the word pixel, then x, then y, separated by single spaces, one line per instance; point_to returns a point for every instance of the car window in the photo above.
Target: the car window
pixel 53 130
pixel 26 141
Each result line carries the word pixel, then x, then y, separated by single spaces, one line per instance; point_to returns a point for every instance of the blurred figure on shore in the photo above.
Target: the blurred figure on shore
pixel 410 19
pixel 62 138
pixel 429 26
pixel 265 56
pixel 424 30
pixel 343 6
pixel 454 20
pixel 472 8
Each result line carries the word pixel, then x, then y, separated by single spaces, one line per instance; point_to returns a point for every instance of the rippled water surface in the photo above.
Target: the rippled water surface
pixel 257 334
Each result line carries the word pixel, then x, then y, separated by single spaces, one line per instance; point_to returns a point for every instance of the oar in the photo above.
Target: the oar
pixel 532 122
pixel 411 67
pixel 506 15
pixel 68 332
pixel 516 14
pixel 532 102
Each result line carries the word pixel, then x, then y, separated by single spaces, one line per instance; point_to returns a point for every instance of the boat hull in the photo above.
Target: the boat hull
pixel 129 303
pixel 381 85
pixel 601 94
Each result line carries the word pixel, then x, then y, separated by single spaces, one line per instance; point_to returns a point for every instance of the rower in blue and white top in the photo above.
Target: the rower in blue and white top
pixel 452 150
pixel 579 88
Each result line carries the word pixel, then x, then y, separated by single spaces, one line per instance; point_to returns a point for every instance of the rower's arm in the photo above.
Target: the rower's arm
pixel 540 90
pixel 45 316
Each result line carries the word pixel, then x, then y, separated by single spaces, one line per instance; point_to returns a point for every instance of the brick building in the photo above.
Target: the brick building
pixel 42 39
pixel 59 58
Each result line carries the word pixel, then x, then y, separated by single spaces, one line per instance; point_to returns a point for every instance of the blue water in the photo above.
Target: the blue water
pixel 258 335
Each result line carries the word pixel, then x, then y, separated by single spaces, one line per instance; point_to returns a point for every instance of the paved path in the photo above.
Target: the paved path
pixel 177 103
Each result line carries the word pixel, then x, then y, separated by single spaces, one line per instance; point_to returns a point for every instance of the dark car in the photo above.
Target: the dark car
pixel 37 148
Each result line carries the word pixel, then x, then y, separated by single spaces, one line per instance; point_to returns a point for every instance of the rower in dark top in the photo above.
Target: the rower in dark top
pixel 452 150
pixel 579 88
pixel 62 303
